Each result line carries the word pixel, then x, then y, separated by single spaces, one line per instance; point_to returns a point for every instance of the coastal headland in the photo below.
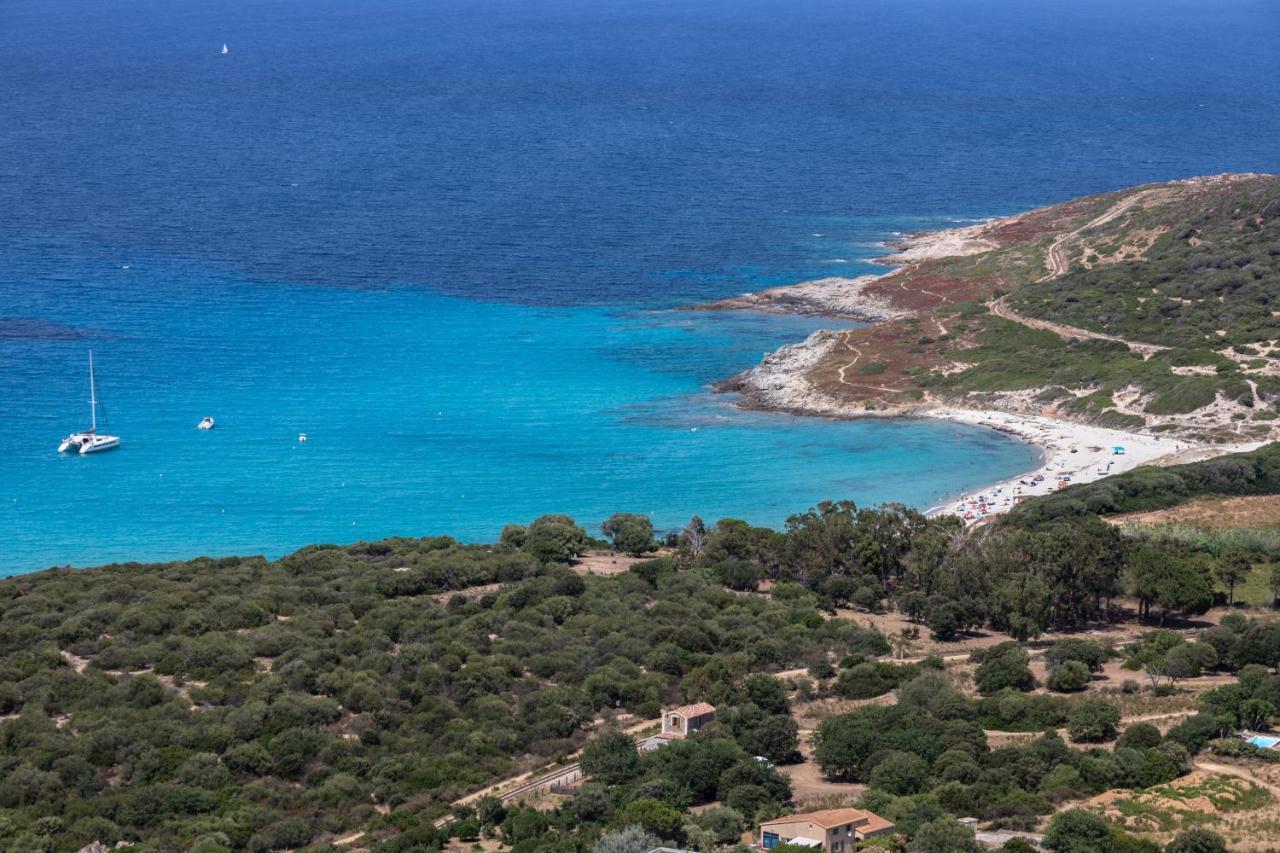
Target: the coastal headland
pixel 1128 328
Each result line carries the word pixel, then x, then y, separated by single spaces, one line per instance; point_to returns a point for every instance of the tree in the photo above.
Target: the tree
pixel 945 620
pixel 694 536
pixel 513 536
pixel 843 743
pixel 1256 713
pixel 740 575
pixel 630 839
pixel 748 771
pixel 1004 666
pixel 654 815
pixel 611 758
pixel 1021 606
pixel 944 835
pixel 914 605
pixel 900 773
pixel 555 539
pixel 776 738
pixel 724 824
pixel 1068 677
pixel 767 693
pixel 1088 652
pixel 1078 831
pixel 1172 583
pixel 1197 840
pixel 1139 736
pixel 747 799
pixel 1092 721
pixel 630 533
pixel 1231 568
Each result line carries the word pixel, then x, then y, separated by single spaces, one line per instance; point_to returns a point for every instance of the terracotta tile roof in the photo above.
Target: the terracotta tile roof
pixel 697 709
pixel 874 823
pixel 827 818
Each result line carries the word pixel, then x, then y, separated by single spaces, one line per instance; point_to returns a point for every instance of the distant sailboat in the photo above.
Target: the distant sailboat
pixel 225 49
pixel 90 441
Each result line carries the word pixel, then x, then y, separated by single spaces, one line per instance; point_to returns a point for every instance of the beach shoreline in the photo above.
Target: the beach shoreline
pixel 1070 451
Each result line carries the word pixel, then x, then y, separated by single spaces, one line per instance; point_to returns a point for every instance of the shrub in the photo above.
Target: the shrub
pixel 1093 720
pixel 1078 831
pixel 1197 840
pixel 1139 736
pixel 741 575
pixel 1068 677
pixel 944 835
pixel 611 758
pixel 1088 652
pixel 654 815
pixel 630 839
pixel 1004 666
pixel 900 773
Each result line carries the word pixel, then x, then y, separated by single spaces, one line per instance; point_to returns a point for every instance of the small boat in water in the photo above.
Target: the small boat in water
pixel 90 440
pixel 206 423
pixel 98 443
pixel 302 437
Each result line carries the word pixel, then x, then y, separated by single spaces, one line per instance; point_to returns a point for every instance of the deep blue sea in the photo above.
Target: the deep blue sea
pixel 444 238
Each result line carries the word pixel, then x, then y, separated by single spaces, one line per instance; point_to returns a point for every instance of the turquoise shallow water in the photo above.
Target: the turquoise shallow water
pixel 442 238
pixel 425 414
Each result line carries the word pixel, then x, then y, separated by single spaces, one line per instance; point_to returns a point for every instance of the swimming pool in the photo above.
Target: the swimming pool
pixel 1263 742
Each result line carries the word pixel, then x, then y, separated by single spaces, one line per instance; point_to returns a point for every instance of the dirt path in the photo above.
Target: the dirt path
pixel 1000 307
pixel 1056 257
pixel 1239 773
pixel 843 368
pixel 514 786
pixel 1058 263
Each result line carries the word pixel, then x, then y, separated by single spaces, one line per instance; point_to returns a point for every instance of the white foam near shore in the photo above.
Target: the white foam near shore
pixel 1071 453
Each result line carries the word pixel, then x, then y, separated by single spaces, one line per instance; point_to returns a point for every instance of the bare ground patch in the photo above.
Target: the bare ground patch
pixel 1212 513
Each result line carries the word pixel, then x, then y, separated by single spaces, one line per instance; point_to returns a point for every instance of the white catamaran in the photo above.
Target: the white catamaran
pixel 90 441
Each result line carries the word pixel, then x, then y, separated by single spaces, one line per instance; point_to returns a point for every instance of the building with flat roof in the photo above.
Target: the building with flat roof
pixel 830 830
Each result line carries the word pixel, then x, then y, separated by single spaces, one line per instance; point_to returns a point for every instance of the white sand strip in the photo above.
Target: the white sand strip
pixel 1071 453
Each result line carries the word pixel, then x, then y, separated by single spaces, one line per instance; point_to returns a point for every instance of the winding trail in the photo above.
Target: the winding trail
pixel 1056 257
pixel 843 368
pixel 1239 773
pixel 1000 307
pixel 1059 263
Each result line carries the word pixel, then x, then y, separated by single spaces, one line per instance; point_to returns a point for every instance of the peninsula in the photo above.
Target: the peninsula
pixel 1133 327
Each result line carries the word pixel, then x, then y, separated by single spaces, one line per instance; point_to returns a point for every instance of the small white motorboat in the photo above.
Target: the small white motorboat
pixel 302 437
pixel 90 441
pixel 206 423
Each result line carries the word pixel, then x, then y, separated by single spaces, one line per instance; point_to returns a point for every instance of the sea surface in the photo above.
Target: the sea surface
pixel 448 240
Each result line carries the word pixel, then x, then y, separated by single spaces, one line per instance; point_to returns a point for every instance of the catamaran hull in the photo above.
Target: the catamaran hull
pixel 73 442
pixel 99 445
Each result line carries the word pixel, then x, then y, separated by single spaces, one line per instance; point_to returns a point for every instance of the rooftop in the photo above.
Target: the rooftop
pixel 828 818
pixel 697 709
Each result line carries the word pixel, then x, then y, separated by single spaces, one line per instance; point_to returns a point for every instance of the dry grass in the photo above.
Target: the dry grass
pixel 1245 811
pixel 1212 513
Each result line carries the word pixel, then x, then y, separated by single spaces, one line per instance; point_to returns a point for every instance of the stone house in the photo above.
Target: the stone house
pixel 831 830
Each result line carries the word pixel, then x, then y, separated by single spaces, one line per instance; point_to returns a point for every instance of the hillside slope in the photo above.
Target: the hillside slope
pixel 1148 308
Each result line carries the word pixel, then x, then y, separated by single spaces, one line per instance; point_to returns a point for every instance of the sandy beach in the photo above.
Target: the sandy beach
pixel 1071 453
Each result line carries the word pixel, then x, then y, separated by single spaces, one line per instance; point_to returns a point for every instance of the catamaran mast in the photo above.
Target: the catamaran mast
pixel 93 397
